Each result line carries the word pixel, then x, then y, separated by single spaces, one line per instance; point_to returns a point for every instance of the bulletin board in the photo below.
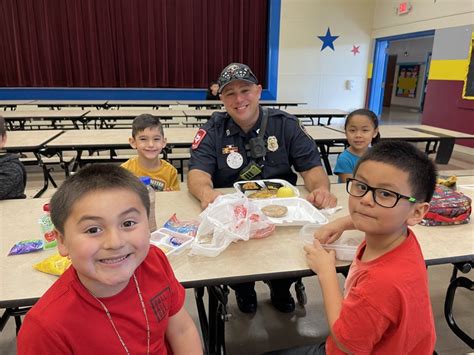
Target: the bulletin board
pixel 407 80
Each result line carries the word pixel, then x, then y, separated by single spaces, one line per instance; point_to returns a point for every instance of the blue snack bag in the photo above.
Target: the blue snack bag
pixel 26 246
pixel 184 227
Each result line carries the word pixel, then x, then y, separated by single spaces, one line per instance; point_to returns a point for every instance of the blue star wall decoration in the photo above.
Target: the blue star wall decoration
pixel 328 40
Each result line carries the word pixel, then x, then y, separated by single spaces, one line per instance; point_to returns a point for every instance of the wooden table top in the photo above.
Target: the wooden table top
pixel 324 133
pixel 440 131
pixel 316 112
pixel 142 102
pixel 69 102
pixel 115 137
pixel 397 132
pixel 279 255
pixel 73 113
pixel 15 102
pixel 415 131
pixel 200 102
pixel 201 113
pixel 281 103
pixel 27 140
pixel 132 113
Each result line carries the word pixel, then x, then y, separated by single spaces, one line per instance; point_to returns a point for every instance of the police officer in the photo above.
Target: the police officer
pixel 251 142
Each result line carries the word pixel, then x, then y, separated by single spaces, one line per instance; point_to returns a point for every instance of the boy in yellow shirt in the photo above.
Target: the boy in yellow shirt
pixel 149 140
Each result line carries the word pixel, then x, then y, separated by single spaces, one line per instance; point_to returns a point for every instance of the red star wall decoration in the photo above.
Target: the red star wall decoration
pixel 355 49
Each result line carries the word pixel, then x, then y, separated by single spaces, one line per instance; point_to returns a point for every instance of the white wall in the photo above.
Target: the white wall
pixel 425 15
pixel 416 50
pixel 318 78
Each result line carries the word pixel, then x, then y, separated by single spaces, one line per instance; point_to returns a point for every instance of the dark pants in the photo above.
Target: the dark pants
pixel 280 287
pixel 301 350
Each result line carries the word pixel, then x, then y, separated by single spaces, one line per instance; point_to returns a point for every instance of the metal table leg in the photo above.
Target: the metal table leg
pixel 213 324
pixel 46 176
pixel 445 150
pixel 325 157
pixel 449 301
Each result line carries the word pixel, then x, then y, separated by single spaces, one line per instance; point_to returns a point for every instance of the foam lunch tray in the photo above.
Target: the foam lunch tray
pixel 300 211
pixel 250 187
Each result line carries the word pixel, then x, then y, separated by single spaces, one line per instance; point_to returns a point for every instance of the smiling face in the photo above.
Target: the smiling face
pixel 241 99
pixel 359 132
pixel 149 143
pixel 379 221
pixel 106 237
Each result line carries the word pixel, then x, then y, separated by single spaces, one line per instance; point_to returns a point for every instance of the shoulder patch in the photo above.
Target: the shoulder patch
pixel 198 138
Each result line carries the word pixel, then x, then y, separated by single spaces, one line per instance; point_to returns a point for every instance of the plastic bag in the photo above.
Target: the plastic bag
pixel 228 219
pixel 54 265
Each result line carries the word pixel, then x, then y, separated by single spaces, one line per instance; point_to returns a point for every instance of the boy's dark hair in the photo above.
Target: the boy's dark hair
pixel 3 128
pixel 371 115
pixel 406 157
pixel 92 178
pixel 143 121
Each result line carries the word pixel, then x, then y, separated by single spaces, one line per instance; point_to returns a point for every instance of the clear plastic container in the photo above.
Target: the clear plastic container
pixel 170 242
pixel 151 193
pixel 345 247
pixel 47 228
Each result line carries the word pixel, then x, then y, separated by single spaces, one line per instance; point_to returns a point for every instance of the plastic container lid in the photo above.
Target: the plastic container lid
pixel 145 179
pixel 345 248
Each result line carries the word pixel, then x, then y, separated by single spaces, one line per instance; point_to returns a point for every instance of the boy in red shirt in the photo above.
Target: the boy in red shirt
pixel 386 306
pixel 120 294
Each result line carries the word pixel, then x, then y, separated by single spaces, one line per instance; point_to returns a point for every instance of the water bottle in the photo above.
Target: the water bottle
pixel 47 228
pixel 151 193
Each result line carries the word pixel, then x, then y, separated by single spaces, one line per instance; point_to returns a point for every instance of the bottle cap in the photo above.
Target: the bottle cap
pixel 46 207
pixel 145 179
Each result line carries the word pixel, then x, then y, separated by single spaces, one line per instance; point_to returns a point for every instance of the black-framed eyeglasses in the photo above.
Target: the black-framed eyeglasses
pixel 382 197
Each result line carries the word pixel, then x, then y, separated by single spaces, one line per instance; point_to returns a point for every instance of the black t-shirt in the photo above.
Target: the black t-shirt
pixel 212 97
pixel 288 145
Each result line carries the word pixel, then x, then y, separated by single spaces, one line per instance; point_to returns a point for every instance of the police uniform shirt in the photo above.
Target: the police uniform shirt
pixel 287 145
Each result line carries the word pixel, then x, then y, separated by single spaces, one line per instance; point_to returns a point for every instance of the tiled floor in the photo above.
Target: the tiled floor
pixel 269 329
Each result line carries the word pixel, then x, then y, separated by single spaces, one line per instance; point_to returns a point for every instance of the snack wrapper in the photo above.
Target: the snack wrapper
pixel 54 265
pixel 26 246
pixel 183 227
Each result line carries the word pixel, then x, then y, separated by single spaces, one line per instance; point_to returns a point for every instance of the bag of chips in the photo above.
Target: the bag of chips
pixel 54 265
pixel 26 246
pixel 447 207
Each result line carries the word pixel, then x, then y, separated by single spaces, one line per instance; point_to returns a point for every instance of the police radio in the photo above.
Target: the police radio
pixel 257 150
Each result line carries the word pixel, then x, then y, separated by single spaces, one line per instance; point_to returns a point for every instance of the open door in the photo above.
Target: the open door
pixel 389 80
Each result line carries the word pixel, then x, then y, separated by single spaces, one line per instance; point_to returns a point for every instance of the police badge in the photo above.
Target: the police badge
pixel 272 143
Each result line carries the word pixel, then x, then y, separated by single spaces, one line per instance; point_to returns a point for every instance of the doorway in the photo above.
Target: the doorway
pixel 385 66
